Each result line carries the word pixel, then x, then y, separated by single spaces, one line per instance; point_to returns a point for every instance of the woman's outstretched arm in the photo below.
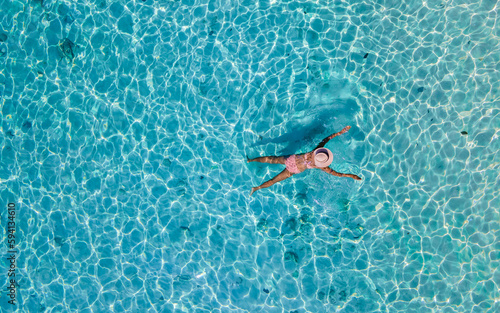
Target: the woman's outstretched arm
pixel 323 143
pixel 332 172
pixel 281 176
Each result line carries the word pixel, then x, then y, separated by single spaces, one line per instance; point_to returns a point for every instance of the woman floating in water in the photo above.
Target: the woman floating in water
pixel 320 158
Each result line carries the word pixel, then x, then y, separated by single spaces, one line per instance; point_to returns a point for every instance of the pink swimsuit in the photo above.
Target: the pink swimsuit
pixel 291 164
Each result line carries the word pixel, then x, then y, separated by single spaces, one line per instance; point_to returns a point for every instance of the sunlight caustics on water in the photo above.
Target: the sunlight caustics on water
pixel 125 131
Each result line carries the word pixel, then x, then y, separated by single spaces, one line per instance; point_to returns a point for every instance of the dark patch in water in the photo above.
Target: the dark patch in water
pixel 291 256
pixel 68 49
pixel 166 162
pixel 262 225
pixel 59 241
pixel 27 125
pixel 183 278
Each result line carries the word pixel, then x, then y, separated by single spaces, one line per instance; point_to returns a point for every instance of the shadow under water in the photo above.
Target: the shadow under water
pixel 313 125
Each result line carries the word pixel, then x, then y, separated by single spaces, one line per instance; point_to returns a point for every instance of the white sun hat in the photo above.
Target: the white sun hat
pixel 323 157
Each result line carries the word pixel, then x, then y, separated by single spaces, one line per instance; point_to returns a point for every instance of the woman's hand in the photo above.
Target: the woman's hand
pixel 345 130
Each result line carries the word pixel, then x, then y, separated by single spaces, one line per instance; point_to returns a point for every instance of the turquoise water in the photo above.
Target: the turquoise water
pixel 126 126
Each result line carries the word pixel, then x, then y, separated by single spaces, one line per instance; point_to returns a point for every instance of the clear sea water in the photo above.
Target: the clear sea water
pixel 125 131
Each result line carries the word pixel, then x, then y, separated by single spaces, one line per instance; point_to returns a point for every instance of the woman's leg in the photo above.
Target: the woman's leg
pixel 281 176
pixel 269 159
